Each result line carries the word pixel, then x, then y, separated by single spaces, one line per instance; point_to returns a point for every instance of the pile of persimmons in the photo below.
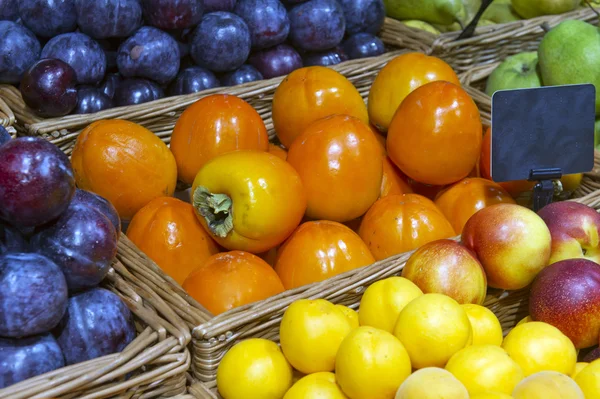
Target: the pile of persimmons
pixel 349 184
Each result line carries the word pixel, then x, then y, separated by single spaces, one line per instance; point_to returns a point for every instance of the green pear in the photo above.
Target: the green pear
pixel 471 8
pixel 519 71
pixel 441 12
pixel 597 134
pixel 485 22
pixel 500 12
pixel 536 8
pixel 448 28
pixel 414 23
pixel 570 54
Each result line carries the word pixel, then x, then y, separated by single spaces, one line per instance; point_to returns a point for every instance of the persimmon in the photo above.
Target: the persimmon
pixel 380 138
pixel 214 125
pixel 398 79
pixel 230 279
pixel 393 182
pixel 278 151
pixel 319 250
pixel 312 93
pixel 426 190
pixel 341 166
pixel 401 223
pixel 167 230
pixel 463 199
pixel 248 200
pixel 435 136
pixel 125 163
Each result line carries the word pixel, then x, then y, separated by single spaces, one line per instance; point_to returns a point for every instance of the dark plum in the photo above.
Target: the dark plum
pixel 317 25
pixel 363 45
pixel 83 242
pixel 172 14
pixel 276 61
pixel 100 203
pixel 150 53
pixel 33 295
pixel 28 357
pixel 4 135
pixel 11 240
pixel 19 49
pixel 267 21
pixel 48 18
pixel 244 74
pixel 97 323
pixel 193 80
pixel 110 84
pixel 36 182
pixel 92 99
pixel 591 356
pixel 325 58
pixel 108 18
pixel 9 10
pixel 137 91
pixel 363 15
pixel 218 5
pixel 221 42
pixel 83 53
pixel 48 88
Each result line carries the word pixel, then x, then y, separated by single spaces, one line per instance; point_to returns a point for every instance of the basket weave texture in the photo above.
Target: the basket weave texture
pixel 7 118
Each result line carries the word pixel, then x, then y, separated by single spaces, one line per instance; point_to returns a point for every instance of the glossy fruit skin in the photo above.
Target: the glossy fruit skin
pixel 325 58
pixel 11 240
pixel 327 249
pixel 28 357
pixel 363 15
pixel 97 323
pixel 9 10
pixel 33 295
pixel 93 200
pixel 267 20
pixel 19 49
pixel 400 77
pixel 4 135
pixel 278 151
pixel 111 18
pixel 442 145
pixel 212 126
pixel 36 182
pixel 47 18
pixel 192 80
pixel 547 384
pixel 462 200
pixel 110 155
pixel 393 181
pixel 337 157
pixel 110 84
pixel 268 199
pixel 363 45
pixel 137 91
pixel 90 100
pixel 401 223
pixel 309 94
pixel 430 382
pixel 487 329
pixel 231 279
pixel 221 42
pixel 244 74
pixel 48 88
pixel 168 231
pixel 317 25
pixel 172 14
pixel 315 385
pixel 276 61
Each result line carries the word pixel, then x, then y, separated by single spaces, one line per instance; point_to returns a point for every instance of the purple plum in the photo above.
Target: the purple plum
pixel 317 25
pixel 33 295
pixel 48 18
pixel 218 5
pixel 11 240
pixel 92 99
pixel 25 358
pixel 97 323
pixel 36 182
pixel 267 21
pixel 193 80
pixel 244 74
pixel 150 53
pixel 4 135
pixel 19 49
pixel 363 45
pixel 276 61
pixel 325 58
pixel 137 91
pixel 363 15
pixel 83 242
pixel 83 53
pixel 108 18
pixel 9 10
pixel 100 203
pixel 172 14
pixel 221 42
pixel 110 84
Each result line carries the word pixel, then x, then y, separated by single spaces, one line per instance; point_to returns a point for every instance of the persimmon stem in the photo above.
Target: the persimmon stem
pixel 216 209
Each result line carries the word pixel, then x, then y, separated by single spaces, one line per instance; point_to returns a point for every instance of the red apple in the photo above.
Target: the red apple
pixel 511 242
pixel 566 294
pixel 447 267
pixel 575 230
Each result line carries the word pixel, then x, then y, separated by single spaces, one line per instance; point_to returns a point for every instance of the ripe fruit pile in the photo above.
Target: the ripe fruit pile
pixel 87 56
pixel 56 246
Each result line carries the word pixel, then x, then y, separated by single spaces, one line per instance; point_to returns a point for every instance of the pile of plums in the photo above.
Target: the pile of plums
pixel 56 246
pixel 83 56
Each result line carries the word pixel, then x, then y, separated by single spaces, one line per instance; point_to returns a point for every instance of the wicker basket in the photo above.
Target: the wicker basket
pixel 153 365
pixel 7 118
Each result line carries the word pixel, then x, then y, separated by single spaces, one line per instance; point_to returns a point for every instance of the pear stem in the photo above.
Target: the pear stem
pixel 216 209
